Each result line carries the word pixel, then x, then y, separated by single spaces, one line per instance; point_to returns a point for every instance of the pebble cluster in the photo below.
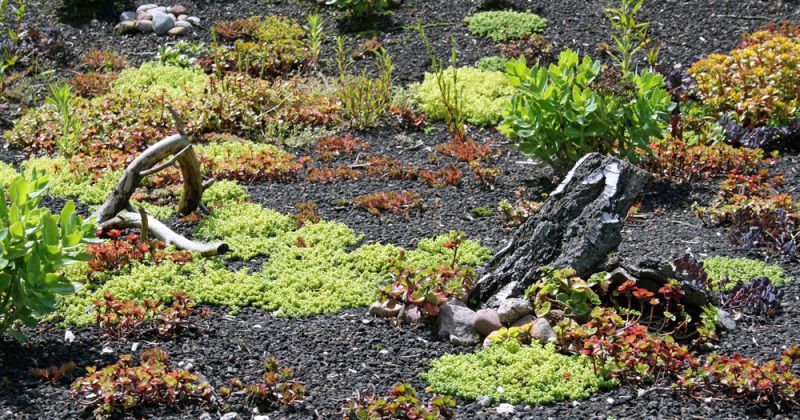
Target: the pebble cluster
pixel 172 20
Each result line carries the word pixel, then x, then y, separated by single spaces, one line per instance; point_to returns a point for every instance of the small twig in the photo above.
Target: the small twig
pixel 169 162
pixel 178 120
pixel 742 17
pixel 685 224
pixel 208 183
pixel 145 228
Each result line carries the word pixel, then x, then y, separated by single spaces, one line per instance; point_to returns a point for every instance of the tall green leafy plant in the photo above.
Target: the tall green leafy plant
pixel 365 100
pixel 629 35
pixel 35 245
pixel 69 121
pixel 568 109
pixel 316 36
pixel 450 91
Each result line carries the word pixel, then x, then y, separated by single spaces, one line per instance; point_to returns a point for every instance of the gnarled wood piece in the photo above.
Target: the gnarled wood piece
pixel 117 211
pixel 177 145
pixel 128 219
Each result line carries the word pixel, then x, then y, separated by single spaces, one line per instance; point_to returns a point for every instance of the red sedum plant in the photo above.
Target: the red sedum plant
pixel 125 385
pixel 402 403
pixel 428 288
pixel 124 318
pixel 395 202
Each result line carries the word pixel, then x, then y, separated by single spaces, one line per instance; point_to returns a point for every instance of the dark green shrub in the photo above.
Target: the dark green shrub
pixel 574 107
pixel 34 246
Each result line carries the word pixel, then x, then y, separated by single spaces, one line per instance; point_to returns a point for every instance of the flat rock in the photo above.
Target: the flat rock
pixel 513 309
pixel 194 20
pixel 127 16
pixel 182 24
pixel 527 319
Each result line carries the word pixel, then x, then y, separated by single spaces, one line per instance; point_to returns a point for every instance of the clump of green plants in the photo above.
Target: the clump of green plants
pixel 481 212
pixel 263 46
pixel 364 99
pixel 515 373
pixel 402 403
pixel 153 78
pixel 224 192
pixel 181 54
pixel 563 290
pixel 505 25
pixel 360 8
pixel 493 63
pixel 757 83
pixel 726 272
pixel 7 174
pixel 67 180
pixel 574 107
pixel 484 94
pixel 276 388
pixel 246 227
pixel 126 385
pixel 35 245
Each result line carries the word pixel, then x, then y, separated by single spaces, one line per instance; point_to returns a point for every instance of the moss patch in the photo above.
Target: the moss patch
pixel 7 173
pixel 513 373
pixel 485 94
pixel 152 78
pixel 741 270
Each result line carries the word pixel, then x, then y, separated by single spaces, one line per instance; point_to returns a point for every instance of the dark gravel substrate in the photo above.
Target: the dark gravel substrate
pixel 338 354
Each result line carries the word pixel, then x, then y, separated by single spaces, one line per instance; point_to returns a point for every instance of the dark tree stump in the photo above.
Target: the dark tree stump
pixel 577 227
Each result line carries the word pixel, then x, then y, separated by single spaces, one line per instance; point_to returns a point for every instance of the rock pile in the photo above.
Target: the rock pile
pixel 172 20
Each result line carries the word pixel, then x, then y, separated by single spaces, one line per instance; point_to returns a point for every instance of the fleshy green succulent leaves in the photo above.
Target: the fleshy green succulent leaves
pixel 34 245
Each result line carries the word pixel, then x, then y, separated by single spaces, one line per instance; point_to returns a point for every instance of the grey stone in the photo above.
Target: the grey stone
pixel 412 315
pixel 456 322
pixel 144 25
pixel 385 309
pixel 106 351
pixel 183 24
pixel 205 416
pixel 144 16
pixel 125 27
pixel 577 227
pixel 127 16
pixel 182 17
pixel 145 7
pixel 513 309
pixel 724 320
pixel 162 23
pixel 487 342
pixel 486 321
pixel 506 409
pixel 229 416
pixel 543 332
pixel 194 20
pixel 484 401
pixel 527 319
pixel 178 30
pixel 161 9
